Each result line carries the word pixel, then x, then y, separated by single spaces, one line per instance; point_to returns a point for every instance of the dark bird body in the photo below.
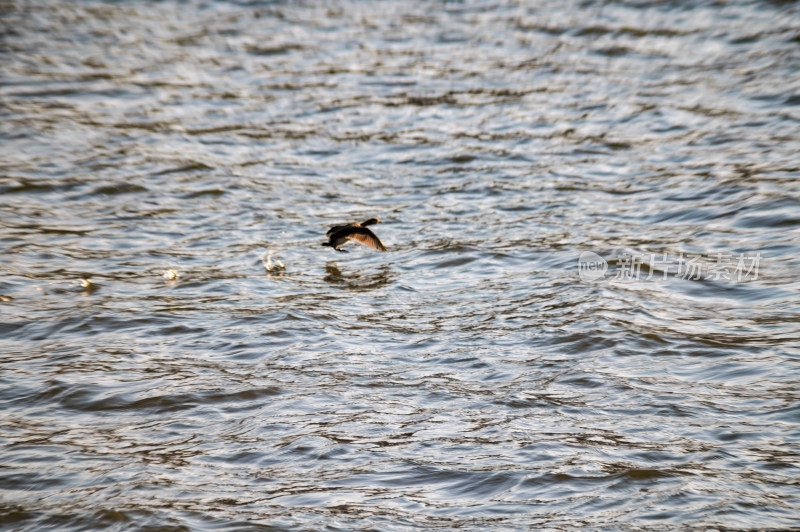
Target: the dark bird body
pixel 338 235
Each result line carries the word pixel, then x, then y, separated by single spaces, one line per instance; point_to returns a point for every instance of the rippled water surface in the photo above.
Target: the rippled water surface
pixel 180 353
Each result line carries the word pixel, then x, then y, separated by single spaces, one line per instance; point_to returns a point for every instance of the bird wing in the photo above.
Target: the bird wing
pixel 336 229
pixel 365 236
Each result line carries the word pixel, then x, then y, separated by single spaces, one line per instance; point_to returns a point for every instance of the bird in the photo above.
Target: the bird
pixel 338 235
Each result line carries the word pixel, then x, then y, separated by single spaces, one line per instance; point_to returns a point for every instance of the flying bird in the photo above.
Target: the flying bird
pixel 338 235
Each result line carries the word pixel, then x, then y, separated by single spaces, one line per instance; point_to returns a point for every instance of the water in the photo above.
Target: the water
pixel 180 353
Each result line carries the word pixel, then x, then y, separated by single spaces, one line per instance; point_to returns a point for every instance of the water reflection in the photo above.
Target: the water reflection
pixel 356 280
